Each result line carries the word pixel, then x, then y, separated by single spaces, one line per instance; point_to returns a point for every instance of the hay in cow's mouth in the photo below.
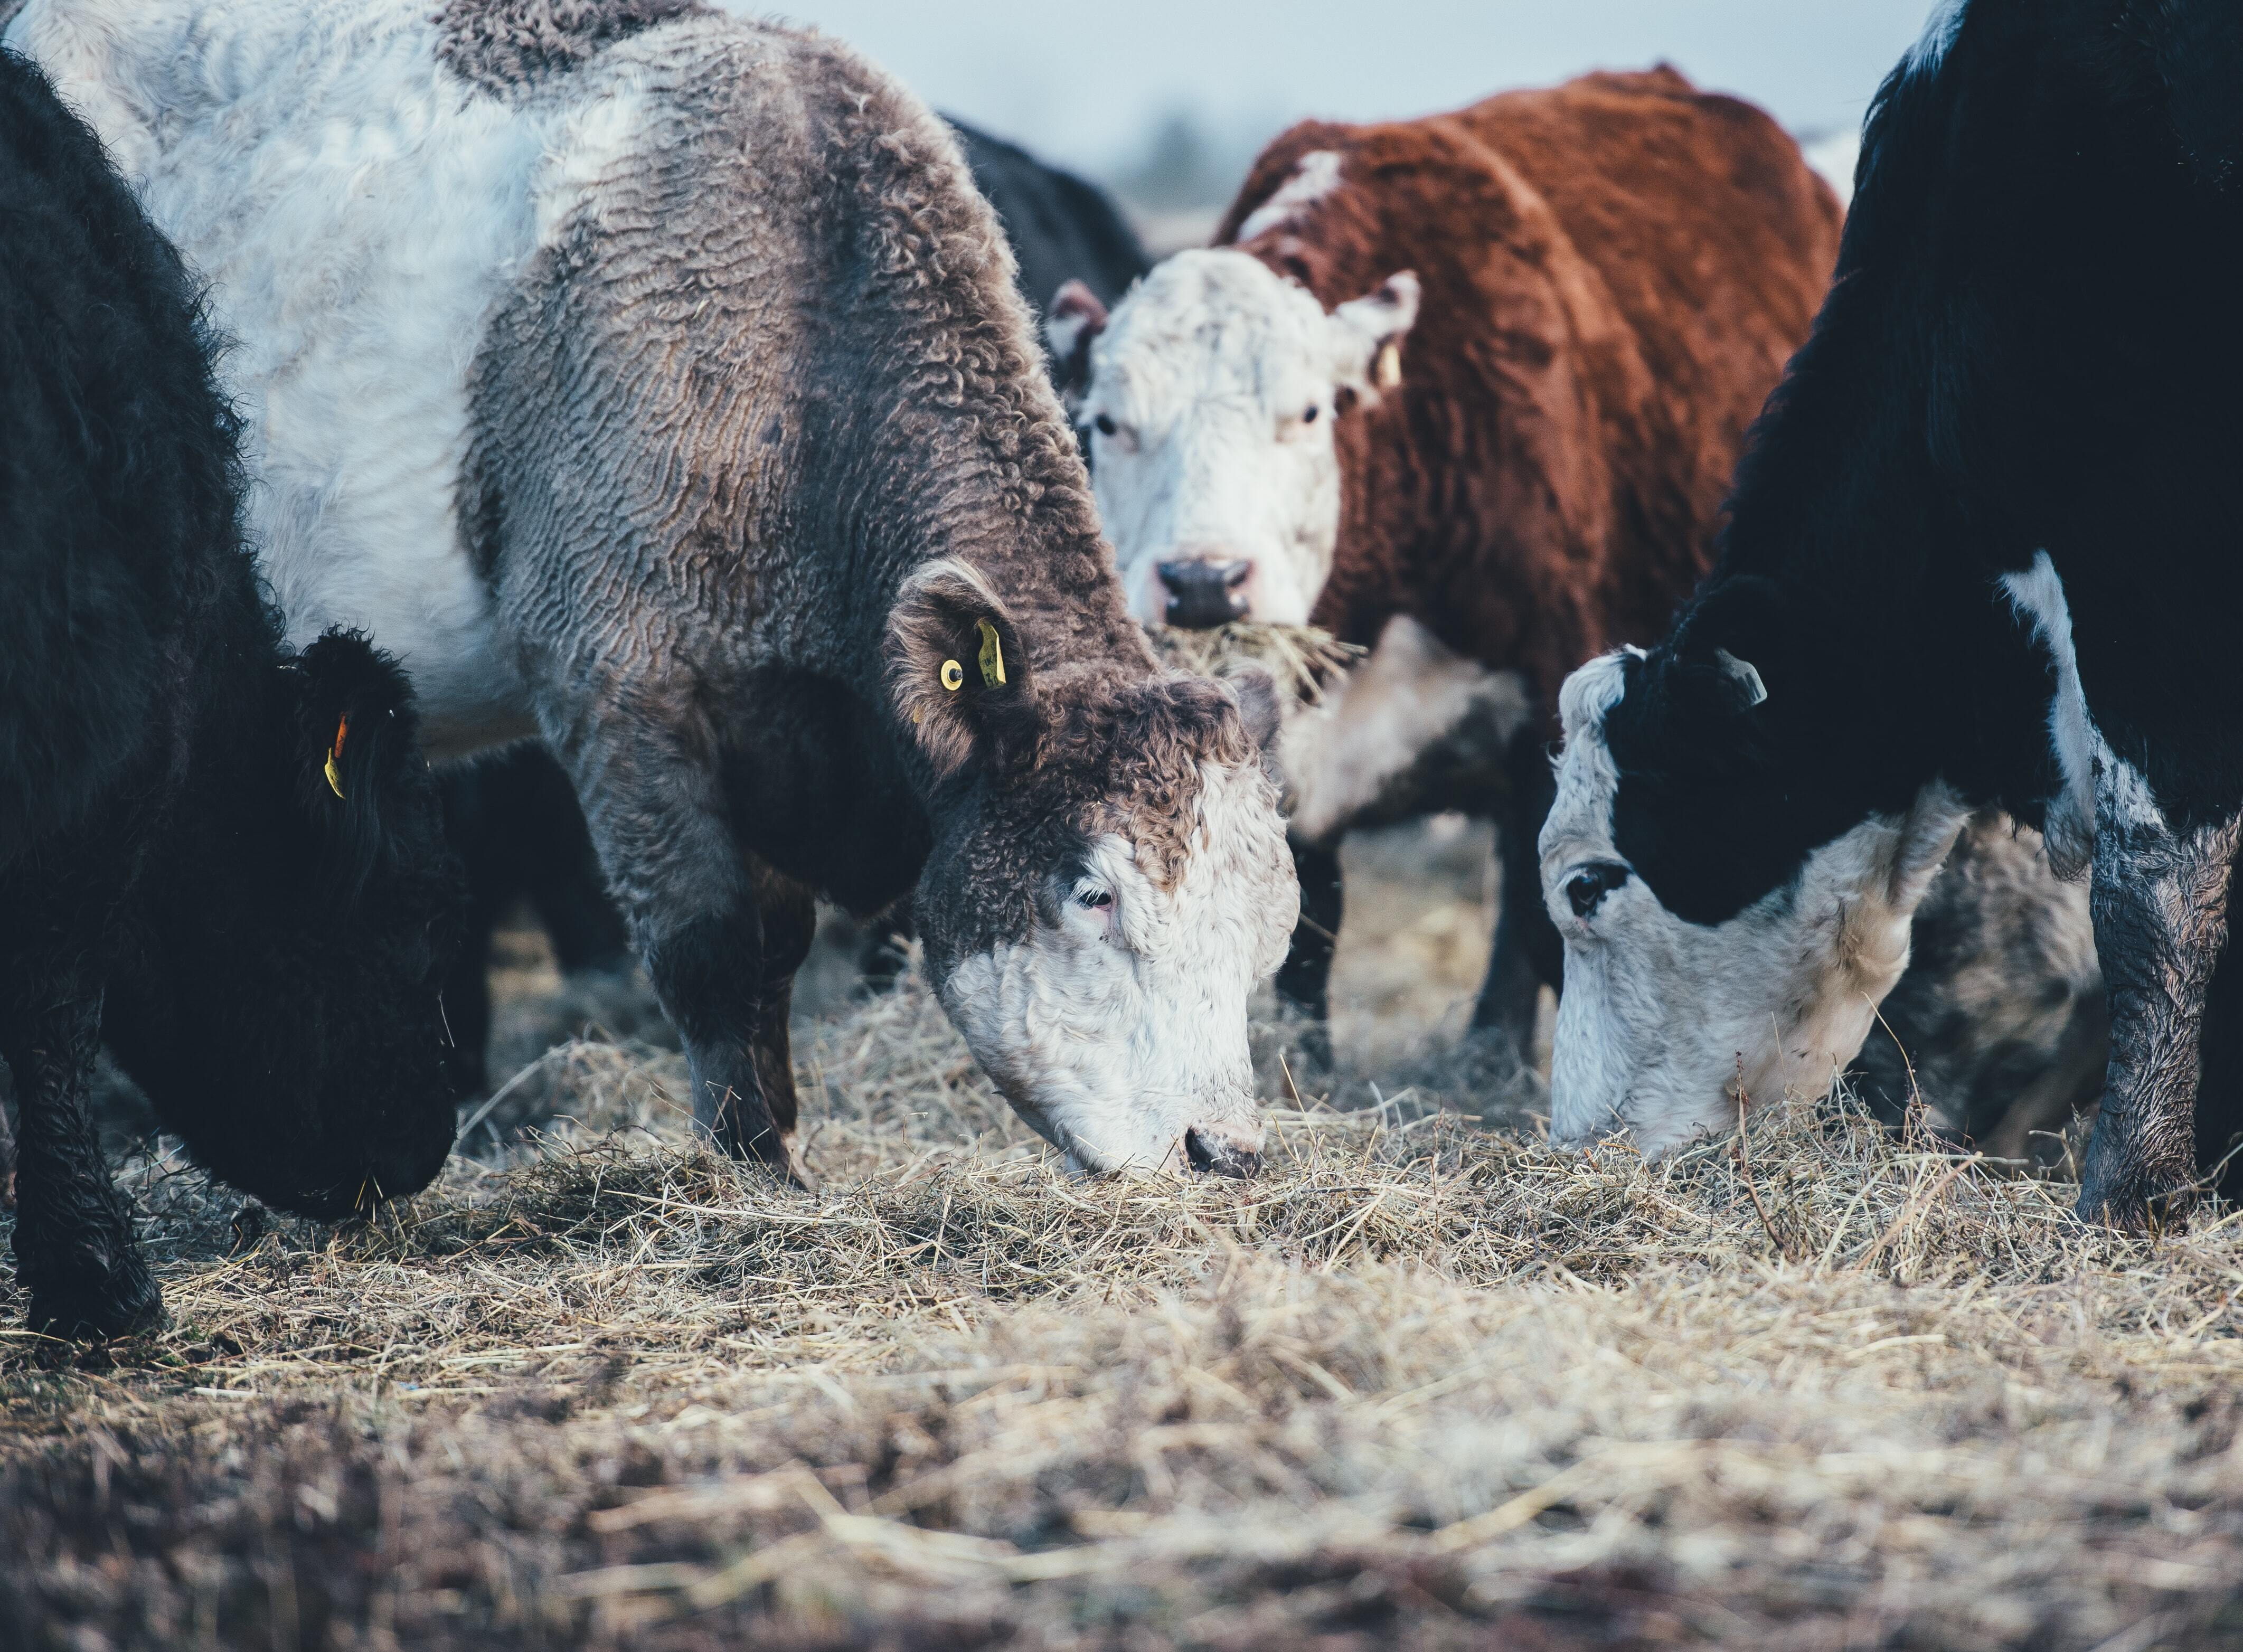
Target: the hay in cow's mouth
pixel 1423 1384
pixel 1303 660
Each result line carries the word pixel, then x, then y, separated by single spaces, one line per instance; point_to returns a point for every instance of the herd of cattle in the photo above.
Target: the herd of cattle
pixel 659 391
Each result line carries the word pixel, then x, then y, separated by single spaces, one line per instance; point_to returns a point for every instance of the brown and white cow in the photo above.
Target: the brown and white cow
pixel 1468 388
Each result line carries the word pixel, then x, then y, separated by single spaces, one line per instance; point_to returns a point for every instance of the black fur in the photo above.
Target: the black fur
pixel 2032 343
pixel 177 875
pixel 1061 227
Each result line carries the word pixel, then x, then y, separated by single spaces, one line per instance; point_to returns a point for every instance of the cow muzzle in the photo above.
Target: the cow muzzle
pixel 1223 1149
pixel 1205 591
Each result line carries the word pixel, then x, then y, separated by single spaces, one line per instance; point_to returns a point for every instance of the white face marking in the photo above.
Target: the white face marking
pixel 1210 403
pixel 1660 1019
pixel 1123 1026
pixel 1342 756
pixel 359 216
pixel 1315 176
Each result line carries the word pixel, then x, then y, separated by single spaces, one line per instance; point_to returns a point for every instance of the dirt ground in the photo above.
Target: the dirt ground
pixel 1423 1384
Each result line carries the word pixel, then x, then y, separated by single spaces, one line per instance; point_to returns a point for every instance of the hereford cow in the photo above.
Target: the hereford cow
pixel 1468 388
pixel 221 857
pixel 1983 551
pixel 653 381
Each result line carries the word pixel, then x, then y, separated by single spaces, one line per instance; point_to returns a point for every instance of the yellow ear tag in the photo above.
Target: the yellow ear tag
pixel 954 675
pixel 1389 370
pixel 334 779
pixel 993 656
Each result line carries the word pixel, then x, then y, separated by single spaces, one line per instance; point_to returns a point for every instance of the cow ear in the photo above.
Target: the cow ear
pixel 959 672
pixel 1255 692
pixel 352 725
pixel 1077 318
pixel 1367 334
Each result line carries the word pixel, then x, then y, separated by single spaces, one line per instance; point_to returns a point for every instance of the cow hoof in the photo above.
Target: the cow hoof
pixel 2139 1208
pixel 98 1303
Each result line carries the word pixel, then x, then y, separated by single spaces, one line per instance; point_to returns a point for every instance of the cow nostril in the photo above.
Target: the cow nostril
pixel 1205 591
pixel 1212 1155
pixel 1585 890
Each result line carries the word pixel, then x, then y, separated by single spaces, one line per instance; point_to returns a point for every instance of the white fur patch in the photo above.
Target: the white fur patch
pixel 1314 175
pixel 1662 1020
pixel 1343 755
pixel 2038 596
pixel 1115 1032
pixel 361 213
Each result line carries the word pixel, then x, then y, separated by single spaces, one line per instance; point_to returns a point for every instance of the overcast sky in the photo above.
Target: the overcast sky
pixel 1084 83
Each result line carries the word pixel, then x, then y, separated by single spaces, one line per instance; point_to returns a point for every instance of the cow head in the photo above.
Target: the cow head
pixel 1109 880
pixel 1209 396
pixel 1724 941
pixel 286 1017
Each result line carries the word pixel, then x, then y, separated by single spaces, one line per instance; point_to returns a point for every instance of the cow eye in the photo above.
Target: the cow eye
pixel 1105 424
pixel 1310 417
pixel 1094 899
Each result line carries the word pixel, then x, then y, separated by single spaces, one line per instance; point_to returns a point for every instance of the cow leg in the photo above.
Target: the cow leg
pixel 1305 981
pixel 75 1249
pixel 2220 1093
pixel 2159 901
pixel 1527 953
pixel 789 915
pixel 654 800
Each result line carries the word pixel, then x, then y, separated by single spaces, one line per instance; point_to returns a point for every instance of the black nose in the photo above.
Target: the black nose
pixel 1587 888
pixel 1204 593
pixel 1212 1154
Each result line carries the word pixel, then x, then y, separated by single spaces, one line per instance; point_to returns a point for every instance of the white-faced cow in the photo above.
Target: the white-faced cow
pixel 1983 551
pixel 221 856
pixel 1468 388
pixel 654 381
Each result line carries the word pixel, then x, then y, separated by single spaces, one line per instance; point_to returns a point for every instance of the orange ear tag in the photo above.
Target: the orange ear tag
pixel 335 779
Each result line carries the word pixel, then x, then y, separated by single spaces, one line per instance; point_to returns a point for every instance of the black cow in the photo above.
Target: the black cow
pixel 1984 550
pixel 225 858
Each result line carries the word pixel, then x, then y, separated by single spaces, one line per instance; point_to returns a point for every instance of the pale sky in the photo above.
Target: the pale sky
pixel 1083 84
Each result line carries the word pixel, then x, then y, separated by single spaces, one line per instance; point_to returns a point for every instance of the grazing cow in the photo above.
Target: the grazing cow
pixel 653 379
pixel 1983 551
pixel 514 817
pixel 223 858
pixel 1469 388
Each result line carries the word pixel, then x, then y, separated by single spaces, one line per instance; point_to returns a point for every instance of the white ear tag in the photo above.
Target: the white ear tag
pixel 1745 672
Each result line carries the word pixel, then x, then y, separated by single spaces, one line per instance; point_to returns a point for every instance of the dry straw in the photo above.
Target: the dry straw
pixel 1423 1384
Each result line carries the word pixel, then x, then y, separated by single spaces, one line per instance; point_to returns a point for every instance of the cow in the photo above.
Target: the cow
pixel 1061 227
pixel 514 817
pixel 1466 390
pixel 1982 551
pixel 652 381
pixel 222 856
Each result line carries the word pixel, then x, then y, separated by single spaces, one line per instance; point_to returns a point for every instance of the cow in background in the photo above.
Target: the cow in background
pixel 1467 389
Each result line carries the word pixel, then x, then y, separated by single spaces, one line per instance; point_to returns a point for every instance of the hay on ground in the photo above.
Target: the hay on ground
pixel 1423 1385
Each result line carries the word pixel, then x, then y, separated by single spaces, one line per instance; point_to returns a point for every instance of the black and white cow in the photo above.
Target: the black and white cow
pixel 1983 551
pixel 654 381
pixel 221 856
